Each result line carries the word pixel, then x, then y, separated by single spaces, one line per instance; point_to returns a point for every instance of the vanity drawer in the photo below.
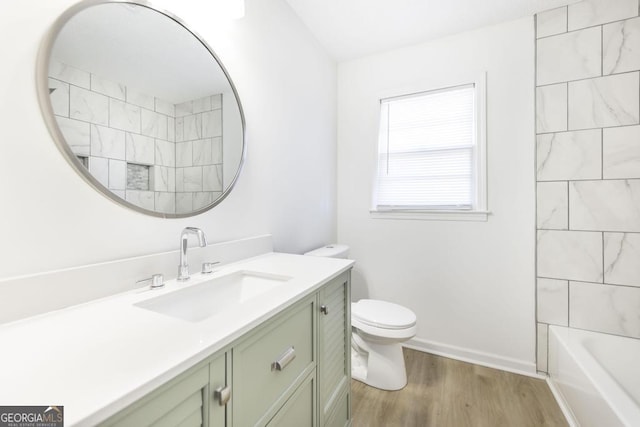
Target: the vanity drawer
pixel 299 409
pixel 271 363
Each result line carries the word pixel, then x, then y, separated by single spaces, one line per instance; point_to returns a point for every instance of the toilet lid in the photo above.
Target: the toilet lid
pixel 383 314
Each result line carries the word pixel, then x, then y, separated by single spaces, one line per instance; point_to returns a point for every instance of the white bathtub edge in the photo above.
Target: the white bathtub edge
pixel 582 380
pixel 562 403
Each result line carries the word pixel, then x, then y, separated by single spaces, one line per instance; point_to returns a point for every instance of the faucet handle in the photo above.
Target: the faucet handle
pixel 157 281
pixel 207 267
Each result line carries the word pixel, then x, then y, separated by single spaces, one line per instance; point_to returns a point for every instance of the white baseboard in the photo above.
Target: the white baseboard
pixel 475 357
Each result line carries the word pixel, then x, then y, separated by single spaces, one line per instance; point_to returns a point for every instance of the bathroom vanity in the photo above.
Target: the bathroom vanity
pixel 292 370
pixel 274 351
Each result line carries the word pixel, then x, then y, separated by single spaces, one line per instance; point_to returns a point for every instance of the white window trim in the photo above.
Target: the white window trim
pixel 480 211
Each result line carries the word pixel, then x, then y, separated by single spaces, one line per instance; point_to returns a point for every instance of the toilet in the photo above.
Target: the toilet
pixel 378 330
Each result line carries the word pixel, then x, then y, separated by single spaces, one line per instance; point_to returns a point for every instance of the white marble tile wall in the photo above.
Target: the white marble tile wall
pixel 606 205
pixel 88 106
pixel 107 87
pixel 184 201
pixel 117 175
pixel 621 46
pixel 588 168
pixel 605 308
pixel 212 123
pixel 551 22
pixel 77 134
pixel 124 116
pixel 551 108
pixel 164 179
pixel 212 178
pixel 184 154
pixel 202 199
pixel 604 101
pixel 165 202
pixel 621 152
pixel 154 124
pixel 198 155
pixel 553 301
pixel 569 56
pixel 112 125
pixel 588 13
pixel 140 149
pixel 542 346
pixel 99 168
pixel 165 107
pixel 107 142
pixel 69 74
pixel 622 259
pixel 553 205
pixel 144 199
pixel 570 155
pixel 59 97
pixel 571 255
pixel 140 99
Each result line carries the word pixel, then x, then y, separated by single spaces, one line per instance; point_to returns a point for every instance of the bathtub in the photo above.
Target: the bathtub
pixel 595 377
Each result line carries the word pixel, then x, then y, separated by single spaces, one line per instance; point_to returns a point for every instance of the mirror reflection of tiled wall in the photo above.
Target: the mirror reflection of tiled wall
pixel 154 154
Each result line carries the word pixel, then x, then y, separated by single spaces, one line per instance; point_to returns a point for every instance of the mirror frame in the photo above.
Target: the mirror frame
pixel 46 107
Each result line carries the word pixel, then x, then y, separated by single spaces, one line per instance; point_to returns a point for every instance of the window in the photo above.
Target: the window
pixel 431 153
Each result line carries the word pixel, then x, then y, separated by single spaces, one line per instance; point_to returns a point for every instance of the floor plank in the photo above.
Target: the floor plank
pixel 444 392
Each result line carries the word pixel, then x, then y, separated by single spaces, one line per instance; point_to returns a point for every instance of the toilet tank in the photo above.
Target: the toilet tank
pixel 330 251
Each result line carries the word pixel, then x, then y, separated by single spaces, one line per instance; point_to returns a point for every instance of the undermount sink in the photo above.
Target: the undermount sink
pixel 203 300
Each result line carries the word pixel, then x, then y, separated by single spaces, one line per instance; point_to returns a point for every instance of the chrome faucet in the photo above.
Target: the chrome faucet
pixel 183 268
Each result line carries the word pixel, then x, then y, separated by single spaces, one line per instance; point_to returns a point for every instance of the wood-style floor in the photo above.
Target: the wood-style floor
pixel 448 393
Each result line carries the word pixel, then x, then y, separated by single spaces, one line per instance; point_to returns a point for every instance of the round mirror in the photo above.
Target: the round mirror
pixel 141 107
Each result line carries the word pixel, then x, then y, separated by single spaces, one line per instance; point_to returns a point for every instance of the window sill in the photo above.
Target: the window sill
pixel 431 215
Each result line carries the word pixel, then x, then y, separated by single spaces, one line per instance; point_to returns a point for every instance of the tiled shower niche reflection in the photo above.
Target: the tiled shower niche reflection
pixel 156 155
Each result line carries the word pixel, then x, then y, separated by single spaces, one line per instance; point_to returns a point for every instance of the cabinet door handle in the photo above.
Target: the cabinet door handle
pixel 324 309
pixel 284 359
pixel 222 395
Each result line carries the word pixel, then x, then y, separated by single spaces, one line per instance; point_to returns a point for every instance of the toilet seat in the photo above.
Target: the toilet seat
pixel 382 319
pixel 382 314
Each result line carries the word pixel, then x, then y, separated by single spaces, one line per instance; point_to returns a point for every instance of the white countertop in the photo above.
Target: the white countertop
pixel 97 358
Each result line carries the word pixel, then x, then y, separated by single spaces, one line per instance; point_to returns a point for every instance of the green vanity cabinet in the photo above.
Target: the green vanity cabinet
pixel 219 392
pixel 291 370
pixel 334 345
pixel 180 402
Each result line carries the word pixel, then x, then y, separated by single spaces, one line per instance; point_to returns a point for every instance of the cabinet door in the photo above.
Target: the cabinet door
pixel 219 391
pixel 272 362
pixel 181 402
pixel 334 344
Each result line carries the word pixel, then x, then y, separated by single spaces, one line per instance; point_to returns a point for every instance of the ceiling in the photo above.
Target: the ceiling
pixel 350 29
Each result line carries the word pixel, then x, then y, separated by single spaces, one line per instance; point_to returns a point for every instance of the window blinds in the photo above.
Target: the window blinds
pixel 426 154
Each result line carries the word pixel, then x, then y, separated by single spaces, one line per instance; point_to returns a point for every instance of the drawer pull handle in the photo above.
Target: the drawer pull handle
pixel 324 309
pixel 222 395
pixel 284 359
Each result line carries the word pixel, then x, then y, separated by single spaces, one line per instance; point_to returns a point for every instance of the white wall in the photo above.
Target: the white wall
pixel 471 284
pixel 50 218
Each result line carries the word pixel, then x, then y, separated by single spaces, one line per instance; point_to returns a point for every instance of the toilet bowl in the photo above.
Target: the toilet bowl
pixel 378 329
